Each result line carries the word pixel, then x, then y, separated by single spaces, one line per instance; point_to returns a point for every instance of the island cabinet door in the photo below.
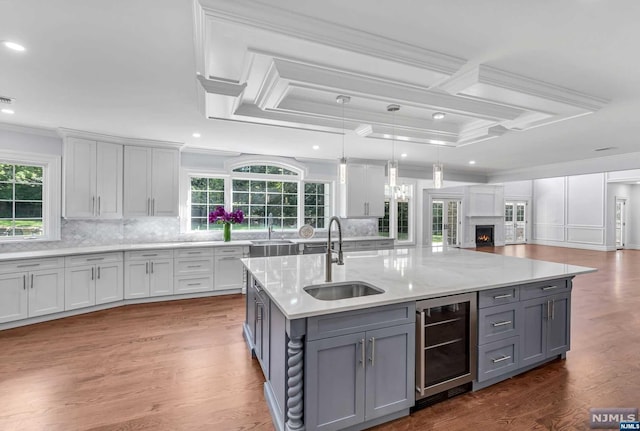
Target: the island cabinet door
pixel 390 372
pixel 534 331
pixel 559 324
pixel 334 382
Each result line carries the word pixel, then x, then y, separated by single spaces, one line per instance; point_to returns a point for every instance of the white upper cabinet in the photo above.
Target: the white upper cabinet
pixel 151 181
pixel 364 191
pixel 93 179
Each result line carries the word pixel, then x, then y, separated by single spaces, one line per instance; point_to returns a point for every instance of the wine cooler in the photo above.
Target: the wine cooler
pixel 446 343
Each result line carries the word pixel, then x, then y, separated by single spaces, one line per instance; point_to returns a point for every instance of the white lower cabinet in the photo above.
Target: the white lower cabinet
pixel 229 271
pixel 148 273
pixel 193 270
pixel 31 293
pixel 93 279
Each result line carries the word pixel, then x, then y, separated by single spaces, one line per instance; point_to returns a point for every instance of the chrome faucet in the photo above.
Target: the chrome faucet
pixel 330 260
pixel 270 224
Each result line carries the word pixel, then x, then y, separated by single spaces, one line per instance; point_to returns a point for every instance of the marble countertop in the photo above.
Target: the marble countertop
pixel 68 251
pixel 404 274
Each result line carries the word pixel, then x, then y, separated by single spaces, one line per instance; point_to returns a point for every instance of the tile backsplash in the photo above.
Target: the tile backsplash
pixel 87 233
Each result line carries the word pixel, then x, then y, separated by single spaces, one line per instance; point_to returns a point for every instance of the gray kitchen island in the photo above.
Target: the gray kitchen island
pixel 350 364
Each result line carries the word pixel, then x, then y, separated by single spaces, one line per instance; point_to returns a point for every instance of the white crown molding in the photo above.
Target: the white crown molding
pixel 209 151
pixel 30 130
pixel 276 20
pixel 71 133
pixel 221 86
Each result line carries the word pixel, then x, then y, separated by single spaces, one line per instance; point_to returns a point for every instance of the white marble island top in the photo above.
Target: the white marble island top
pixel 405 274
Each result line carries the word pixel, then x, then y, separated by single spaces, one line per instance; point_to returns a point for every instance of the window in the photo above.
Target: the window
pixel 21 200
pixel 316 204
pixel 258 198
pixel 397 221
pixel 206 195
pixel 265 169
pixel 29 196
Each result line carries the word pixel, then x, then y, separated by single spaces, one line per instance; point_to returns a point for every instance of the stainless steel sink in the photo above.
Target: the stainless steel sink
pixel 272 247
pixel 271 242
pixel 343 290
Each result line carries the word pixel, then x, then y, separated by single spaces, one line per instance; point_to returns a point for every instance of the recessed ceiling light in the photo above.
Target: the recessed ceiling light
pixel 316 147
pixel 403 155
pixel 438 115
pixel 196 135
pixel 472 162
pixel 12 45
pixel 7 111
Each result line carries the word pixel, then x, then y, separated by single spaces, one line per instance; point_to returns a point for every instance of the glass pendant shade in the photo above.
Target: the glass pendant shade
pixel 342 171
pixel 392 171
pixel 438 175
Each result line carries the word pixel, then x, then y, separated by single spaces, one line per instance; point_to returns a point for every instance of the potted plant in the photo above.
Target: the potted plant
pixel 219 215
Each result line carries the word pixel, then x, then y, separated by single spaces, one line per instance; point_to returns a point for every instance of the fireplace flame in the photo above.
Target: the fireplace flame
pixel 483 238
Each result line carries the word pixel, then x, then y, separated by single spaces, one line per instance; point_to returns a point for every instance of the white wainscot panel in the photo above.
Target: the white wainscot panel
pixel 548 232
pixel 585 200
pixel 482 204
pixel 548 203
pixel 585 234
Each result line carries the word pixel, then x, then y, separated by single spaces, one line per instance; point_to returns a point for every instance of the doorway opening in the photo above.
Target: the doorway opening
pixel 620 223
pixel 445 222
pixel 515 222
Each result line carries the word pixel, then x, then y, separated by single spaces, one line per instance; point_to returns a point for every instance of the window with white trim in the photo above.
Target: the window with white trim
pixel 207 193
pixel 259 198
pixel 316 204
pixel 398 220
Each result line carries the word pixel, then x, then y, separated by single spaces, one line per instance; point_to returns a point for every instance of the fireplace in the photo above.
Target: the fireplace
pixel 484 235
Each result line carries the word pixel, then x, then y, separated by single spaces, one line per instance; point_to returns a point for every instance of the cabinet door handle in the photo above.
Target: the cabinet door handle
pixel 98 273
pixel 93 205
pixel 24 282
pixel 548 309
pixel 146 267
pixel 362 353
pixel 503 323
pixel 553 309
pixel 502 296
pixel 153 206
pixel 504 358
pixel 148 206
pixel 92 272
pixel 550 288
pixel 32 281
pixel 99 205
pixel 372 340
pixel 151 267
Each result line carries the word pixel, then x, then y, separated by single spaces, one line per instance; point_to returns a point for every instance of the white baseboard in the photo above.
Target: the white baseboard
pixel 565 244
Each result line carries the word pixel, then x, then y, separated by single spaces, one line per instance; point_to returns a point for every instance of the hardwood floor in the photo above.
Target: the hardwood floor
pixel 183 365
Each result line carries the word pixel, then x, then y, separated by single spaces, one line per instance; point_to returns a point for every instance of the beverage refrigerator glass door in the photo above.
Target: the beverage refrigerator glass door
pixel 446 343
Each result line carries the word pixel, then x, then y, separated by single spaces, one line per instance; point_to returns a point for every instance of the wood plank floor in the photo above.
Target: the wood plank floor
pixel 183 365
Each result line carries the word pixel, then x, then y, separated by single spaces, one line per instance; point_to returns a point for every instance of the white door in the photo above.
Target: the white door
pixel 164 182
pixel 80 178
pixel 109 282
pixel 228 273
pixel 13 297
pixel 515 222
pixel 137 181
pixel 136 279
pixel 46 292
pixel 620 223
pixel 161 277
pixel 109 180
pixel 445 222
pixel 80 287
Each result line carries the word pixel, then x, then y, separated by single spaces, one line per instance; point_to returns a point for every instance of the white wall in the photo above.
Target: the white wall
pixel 570 211
pixel 21 141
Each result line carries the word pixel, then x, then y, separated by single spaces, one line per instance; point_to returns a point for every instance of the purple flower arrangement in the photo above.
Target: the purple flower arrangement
pixel 219 215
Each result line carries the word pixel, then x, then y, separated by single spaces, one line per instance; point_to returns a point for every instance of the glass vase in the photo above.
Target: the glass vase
pixel 226 232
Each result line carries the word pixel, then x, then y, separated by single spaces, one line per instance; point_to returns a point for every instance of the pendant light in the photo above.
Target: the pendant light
pixel 392 167
pixel 342 170
pixel 438 172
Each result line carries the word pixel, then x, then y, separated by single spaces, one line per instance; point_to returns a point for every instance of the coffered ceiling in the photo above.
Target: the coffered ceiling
pixel 529 89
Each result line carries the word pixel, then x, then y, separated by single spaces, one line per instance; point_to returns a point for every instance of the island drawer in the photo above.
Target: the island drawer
pixel 497 323
pixel 545 288
pixel 194 252
pixel 497 358
pixel 503 295
pixel 348 322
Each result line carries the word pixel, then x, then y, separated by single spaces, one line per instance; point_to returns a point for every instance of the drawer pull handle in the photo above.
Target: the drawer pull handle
pixel 507 295
pixel 193 266
pixel 504 358
pixel 229 258
pixel 550 287
pixel 194 252
pixel 506 322
pixel 28 265
pixel 149 255
pixel 94 259
pixel 193 284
